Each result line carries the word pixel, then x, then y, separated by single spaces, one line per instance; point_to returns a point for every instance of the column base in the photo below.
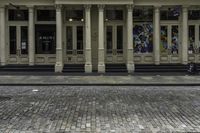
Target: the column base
pixel 58 67
pixel 31 64
pixel 101 68
pixel 3 63
pixel 157 62
pixel 88 68
pixel 184 62
pixel 130 67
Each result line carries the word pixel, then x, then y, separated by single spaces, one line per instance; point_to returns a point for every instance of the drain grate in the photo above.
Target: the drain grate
pixel 4 98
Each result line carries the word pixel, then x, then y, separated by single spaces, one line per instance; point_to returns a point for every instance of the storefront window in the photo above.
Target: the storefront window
pixel 143 15
pixel 114 15
pixel 18 15
pixel 79 39
pixel 13 39
pixel 109 39
pixel 45 39
pixel 170 14
pixel 69 37
pixel 74 15
pixel 191 47
pixel 194 15
pixel 46 15
pixel 119 39
pixel 174 41
pixel 164 39
pixel 143 30
pixel 143 38
pixel 24 40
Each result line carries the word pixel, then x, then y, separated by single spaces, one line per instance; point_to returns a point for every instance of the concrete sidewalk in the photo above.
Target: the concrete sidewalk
pixel 99 80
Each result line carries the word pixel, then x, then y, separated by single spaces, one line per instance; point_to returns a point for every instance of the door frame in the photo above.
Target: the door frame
pixel 115 58
pixel 73 58
pixel 168 57
pixel 194 57
pixel 17 58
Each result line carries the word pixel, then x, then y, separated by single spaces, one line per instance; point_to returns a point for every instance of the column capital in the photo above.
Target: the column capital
pixel 130 7
pixel 101 7
pixel 157 7
pixel 2 6
pixel 30 6
pixel 185 8
pixel 87 7
pixel 58 7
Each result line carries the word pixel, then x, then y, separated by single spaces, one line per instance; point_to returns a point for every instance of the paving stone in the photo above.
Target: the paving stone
pixel 104 109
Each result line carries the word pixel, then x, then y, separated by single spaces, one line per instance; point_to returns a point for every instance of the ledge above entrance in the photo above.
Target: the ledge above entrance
pixel 94 2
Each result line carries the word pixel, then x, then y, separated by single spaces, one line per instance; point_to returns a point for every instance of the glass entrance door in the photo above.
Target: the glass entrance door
pixel 18 44
pixel 114 43
pixel 194 42
pixel 74 48
pixel 170 43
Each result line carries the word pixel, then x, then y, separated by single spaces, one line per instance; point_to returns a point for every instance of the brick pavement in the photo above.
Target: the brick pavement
pixel 105 109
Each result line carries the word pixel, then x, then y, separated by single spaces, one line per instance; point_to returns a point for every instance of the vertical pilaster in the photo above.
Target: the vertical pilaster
pixel 59 53
pixel 101 54
pixel 130 62
pixel 2 36
pixel 184 35
pixel 156 35
pixel 88 54
pixel 31 36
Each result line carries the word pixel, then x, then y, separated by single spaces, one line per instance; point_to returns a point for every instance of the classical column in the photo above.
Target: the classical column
pixel 59 53
pixel 88 54
pixel 156 35
pixel 184 37
pixel 101 54
pixel 130 62
pixel 2 35
pixel 31 36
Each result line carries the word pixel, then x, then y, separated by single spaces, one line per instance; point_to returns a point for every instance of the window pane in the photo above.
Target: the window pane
pixel 45 39
pixel 109 39
pixel 114 14
pixel 46 15
pixel 13 39
pixel 24 40
pixel 144 15
pixel 18 15
pixel 194 15
pixel 69 37
pixel 191 48
pixel 143 38
pixel 169 15
pixel 119 39
pixel 79 39
pixel 74 15
pixel 164 39
pixel 175 40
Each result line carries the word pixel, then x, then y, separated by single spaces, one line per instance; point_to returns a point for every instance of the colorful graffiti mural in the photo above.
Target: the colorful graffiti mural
pixel 143 38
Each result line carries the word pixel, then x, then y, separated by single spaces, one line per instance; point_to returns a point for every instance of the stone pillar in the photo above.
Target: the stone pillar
pixel 88 54
pixel 2 36
pixel 59 53
pixel 156 35
pixel 31 36
pixel 101 54
pixel 184 37
pixel 130 62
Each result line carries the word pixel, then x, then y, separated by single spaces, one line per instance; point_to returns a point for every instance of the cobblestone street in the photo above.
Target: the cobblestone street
pixel 105 109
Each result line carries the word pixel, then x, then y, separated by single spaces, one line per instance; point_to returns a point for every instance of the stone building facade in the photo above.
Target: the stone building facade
pixel 99 32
